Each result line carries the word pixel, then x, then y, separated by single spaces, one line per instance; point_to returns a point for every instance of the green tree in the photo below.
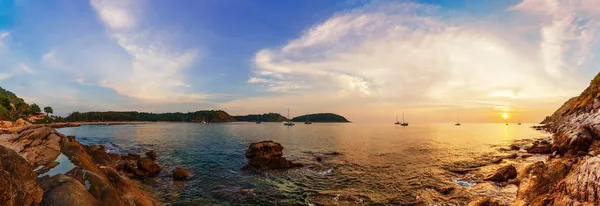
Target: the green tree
pixel 48 110
pixel 5 102
pixel 34 108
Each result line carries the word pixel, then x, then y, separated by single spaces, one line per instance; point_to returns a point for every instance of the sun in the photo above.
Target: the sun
pixel 505 115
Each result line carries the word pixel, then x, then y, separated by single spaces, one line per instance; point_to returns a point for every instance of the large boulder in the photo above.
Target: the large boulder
pixel 18 181
pixel 570 143
pixel 149 165
pixel 538 180
pixel 65 191
pixel 503 174
pixel 267 155
pixel 581 186
pixel 540 147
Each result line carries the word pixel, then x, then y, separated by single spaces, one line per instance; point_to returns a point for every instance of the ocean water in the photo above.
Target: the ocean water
pixel 361 164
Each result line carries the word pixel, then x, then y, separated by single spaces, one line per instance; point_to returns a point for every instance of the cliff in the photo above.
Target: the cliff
pixel 321 117
pixel 571 174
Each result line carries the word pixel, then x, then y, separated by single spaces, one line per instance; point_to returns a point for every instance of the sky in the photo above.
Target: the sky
pixel 366 60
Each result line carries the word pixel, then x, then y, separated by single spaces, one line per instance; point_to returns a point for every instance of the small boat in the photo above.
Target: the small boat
pixel 307 122
pixel 397 122
pixel 457 123
pixel 404 124
pixel 289 123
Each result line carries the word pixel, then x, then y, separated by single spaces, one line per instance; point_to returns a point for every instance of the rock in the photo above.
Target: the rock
pixel 537 180
pixel 64 190
pixel 515 147
pixel 39 145
pixel 503 174
pixel 488 201
pixel 180 174
pixel 152 155
pixel 526 156
pixel 575 141
pixel 148 165
pixel 267 155
pixel 540 147
pixel 581 187
pixel 19 182
pixel 47 168
pixel 21 123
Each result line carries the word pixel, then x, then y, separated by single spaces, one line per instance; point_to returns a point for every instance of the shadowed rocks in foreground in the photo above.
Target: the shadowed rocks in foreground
pixel 17 180
pixel 267 155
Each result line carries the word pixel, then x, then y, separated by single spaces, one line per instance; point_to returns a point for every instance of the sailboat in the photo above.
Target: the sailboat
pixel 258 119
pixel 397 122
pixel 457 123
pixel 307 122
pixel 404 124
pixel 289 123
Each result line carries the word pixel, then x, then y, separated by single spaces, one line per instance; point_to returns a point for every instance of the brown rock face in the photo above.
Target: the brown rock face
pixel 581 187
pixel 539 179
pixel 180 174
pixel 540 147
pixel 503 174
pixel 485 202
pixel 267 155
pixel 64 190
pixel 39 145
pixel 18 185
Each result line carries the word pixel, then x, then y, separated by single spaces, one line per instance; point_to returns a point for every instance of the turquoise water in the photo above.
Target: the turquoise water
pixel 362 163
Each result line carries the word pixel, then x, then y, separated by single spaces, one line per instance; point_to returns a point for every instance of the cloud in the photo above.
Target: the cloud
pixel 3 37
pixel 401 55
pixel 157 71
pixel 25 68
pixel 4 76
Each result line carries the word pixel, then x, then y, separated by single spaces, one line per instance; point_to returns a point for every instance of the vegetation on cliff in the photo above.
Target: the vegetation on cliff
pixel 586 100
pixel 198 116
pixel 12 107
pixel 270 117
pixel 321 117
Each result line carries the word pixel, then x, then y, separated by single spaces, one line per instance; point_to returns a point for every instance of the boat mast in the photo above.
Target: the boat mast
pixel 402 117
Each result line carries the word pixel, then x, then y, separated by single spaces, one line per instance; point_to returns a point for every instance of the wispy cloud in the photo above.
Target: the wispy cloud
pixel 403 53
pixel 157 71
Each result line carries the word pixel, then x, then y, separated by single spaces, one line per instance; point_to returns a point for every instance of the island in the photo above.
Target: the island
pixel 320 117
pixel 269 117
pixel 116 116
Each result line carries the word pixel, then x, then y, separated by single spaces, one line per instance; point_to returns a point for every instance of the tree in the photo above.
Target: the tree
pixel 5 102
pixel 48 110
pixel 34 109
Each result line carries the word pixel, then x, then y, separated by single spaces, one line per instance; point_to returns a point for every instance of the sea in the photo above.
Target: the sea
pixel 344 163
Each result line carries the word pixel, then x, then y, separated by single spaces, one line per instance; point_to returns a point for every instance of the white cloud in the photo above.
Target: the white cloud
pixel 157 71
pixel 3 36
pixel 401 54
pixel 25 68
pixel 4 76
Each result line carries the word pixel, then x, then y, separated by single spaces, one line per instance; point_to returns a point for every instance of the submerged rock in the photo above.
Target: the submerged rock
pixel 267 155
pixel 18 181
pixel 152 155
pixel 503 174
pixel 180 174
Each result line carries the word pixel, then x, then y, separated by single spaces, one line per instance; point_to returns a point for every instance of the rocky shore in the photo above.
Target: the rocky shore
pixel 44 167
pixel 571 173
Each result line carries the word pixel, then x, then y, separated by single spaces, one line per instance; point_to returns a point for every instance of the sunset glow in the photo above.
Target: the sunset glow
pixel 505 115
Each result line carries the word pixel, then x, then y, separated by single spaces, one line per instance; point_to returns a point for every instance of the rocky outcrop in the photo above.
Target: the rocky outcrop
pixel 267 155
pixel 538 181
pixel 135 166
pixel 180 174
pixel 503 174
pixel 18 181
pixel 581 186
pixel 488 201
pixel 93 179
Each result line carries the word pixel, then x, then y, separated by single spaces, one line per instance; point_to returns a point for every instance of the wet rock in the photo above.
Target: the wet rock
pixel 488 201
pixel 515 147
pixel 152 155
pixel 503 174
pixel 267 155
pixel 64 190
pixel 100 156
pixel 148 165
pixel 17 180
pixel 180 174
pixel 540 147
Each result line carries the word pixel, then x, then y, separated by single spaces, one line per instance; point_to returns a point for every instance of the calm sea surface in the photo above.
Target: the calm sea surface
pixel 361 163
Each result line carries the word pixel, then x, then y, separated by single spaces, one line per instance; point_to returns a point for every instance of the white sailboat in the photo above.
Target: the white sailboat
pixel 289 123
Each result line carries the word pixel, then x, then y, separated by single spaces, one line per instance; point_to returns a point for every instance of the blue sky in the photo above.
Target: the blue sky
pixel 364 59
